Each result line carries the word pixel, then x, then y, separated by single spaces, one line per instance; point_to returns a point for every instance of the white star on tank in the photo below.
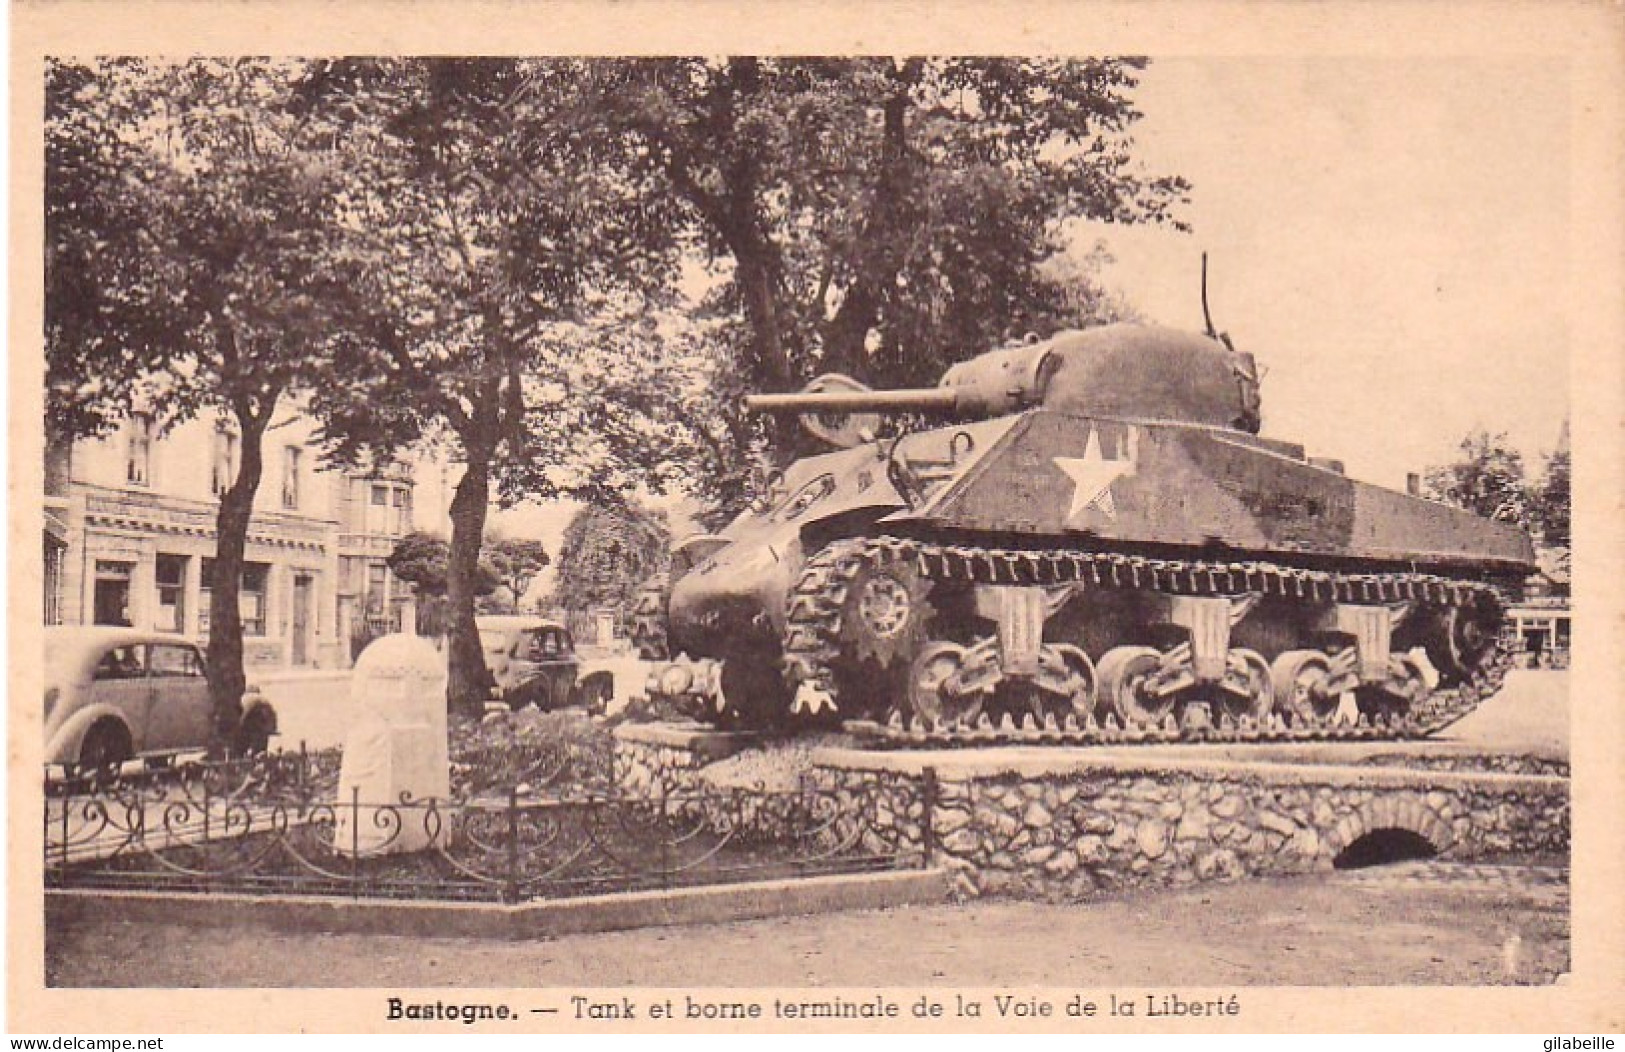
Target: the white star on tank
pixel 1092 475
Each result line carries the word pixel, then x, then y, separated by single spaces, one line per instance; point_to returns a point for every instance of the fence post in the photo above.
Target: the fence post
pixel 63 855
pixel 665 847
pixel 510 889
pixel 928 828
pixel 355 841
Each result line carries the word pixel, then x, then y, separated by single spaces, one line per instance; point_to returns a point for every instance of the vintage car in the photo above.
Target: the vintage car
pixel 534 661
pixel 116 694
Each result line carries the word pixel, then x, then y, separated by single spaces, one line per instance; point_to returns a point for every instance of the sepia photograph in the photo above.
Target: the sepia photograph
pixel 780 529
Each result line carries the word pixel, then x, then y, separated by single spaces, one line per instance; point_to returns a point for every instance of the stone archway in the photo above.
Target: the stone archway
pixel 1389 817
pixel 1382 847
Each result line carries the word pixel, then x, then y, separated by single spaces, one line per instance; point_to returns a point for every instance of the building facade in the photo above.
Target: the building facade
pixel 1543 619
pixel 130 539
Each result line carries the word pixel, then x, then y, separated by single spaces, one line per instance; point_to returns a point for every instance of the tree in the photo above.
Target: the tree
pixel 883 217
pixel 186 242
pixel 1553 504
pixel 1487 479
pixel 516 562
pixel 419 559
pixel 605 555
pixel 488 223
pixel 98 335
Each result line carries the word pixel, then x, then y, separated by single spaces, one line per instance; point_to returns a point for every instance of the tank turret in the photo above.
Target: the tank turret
pixel 1082 539
pixel 1115 370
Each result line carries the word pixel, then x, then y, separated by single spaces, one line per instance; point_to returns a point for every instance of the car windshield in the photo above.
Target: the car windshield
pixel 545 643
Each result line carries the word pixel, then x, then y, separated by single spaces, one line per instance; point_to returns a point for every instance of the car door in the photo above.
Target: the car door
pixel 120 681
pixel 180 707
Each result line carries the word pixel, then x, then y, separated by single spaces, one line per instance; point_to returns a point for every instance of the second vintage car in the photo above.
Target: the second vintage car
pixel 534 662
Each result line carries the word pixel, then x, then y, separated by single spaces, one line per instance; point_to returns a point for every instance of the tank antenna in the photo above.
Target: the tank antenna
pixel 1206 317
pixel 1212 334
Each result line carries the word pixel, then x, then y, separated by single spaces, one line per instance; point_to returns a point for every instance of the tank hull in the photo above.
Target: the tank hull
pixel 1201 488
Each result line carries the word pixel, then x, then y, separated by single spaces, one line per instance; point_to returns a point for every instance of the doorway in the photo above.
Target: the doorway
pixel 301 618
pixel 112 596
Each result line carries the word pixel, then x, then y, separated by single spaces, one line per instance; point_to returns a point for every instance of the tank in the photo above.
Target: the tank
pixel 1073 540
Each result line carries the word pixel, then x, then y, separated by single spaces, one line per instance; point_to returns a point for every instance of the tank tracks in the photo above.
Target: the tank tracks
pixel 816 604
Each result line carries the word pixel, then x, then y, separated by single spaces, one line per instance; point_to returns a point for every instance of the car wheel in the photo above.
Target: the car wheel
pixel 104 750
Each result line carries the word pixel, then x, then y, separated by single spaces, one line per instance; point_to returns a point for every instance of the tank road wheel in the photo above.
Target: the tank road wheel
pixel 929 696
pixel 1299 679
pixel 1123 673
pixel 1086 680
pixel 1405 687
pixel 1248 667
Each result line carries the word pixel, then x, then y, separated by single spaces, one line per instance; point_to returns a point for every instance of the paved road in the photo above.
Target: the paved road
pixel 310 707
pixel 1466 928
pixel 1530 712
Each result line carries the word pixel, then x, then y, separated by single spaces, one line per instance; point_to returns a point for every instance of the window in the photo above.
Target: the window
pixel 377 575
pixel 290 476
pixel 138 462
pixel 403 510
pixel 56 556
pixel 126 662
pixel 380 495
pixel 171 594
pixel 225 461
pixel 169 659
pixel 547 645
pixel 251 604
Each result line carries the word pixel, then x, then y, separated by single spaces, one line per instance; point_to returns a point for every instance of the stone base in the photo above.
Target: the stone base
pixel 1070 823
pixel 704 743
pixel 669 754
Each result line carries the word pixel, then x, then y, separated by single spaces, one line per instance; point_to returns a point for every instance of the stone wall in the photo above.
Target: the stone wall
pixel 650 757
pixel 1110 823
pixel 1068 824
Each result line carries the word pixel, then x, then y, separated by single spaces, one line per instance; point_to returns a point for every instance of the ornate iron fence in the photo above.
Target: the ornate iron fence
pixel 560 827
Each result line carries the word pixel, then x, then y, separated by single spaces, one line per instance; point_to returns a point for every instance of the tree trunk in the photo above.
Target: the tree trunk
pixel 470 681
pixel 880 258
pixel 227 679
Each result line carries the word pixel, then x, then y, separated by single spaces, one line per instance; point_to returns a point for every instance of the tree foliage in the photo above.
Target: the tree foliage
pixel 1551 499
pixel 883 216
pixel 606 553
pixel 1488 479
pixel 516 561
pixel 419 559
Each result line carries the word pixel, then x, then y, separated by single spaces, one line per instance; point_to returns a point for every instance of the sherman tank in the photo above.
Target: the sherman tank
pixel 1073 540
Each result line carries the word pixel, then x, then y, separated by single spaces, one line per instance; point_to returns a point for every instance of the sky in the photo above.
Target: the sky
pixel 1390 238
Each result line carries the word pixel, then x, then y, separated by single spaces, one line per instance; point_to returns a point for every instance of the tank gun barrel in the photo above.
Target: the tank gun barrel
pixel 944 400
